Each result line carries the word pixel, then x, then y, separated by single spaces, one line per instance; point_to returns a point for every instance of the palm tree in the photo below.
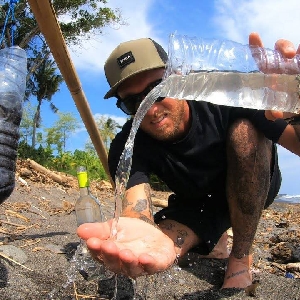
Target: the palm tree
pixel 108 128
pixel 44 83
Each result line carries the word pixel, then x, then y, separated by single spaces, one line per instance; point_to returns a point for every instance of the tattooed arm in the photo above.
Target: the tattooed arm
pixel 183 237
pixel 137 202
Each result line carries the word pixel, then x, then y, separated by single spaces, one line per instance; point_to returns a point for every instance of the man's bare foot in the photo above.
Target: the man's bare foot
pixel 220 251
pixel 238 274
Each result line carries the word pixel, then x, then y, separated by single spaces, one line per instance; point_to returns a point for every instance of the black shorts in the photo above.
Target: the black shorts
pixel 210 218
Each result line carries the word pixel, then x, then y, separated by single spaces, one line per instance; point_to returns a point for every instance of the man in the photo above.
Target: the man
pixel 220 162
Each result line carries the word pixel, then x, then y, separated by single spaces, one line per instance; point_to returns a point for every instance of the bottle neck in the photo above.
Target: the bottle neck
pixel 84 190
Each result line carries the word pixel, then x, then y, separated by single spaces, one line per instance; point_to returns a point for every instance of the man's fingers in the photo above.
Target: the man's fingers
pixel 150 265
pixel 286 48
pixel 109 253
pixel 255 40
pixel 269 115
pixel 130 264
pixel 99 230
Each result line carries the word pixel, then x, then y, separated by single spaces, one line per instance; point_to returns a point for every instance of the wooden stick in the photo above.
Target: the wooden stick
pixel 13 224
pixel 17 215
pixel 54 176
pixel 159 202
pixel 48 24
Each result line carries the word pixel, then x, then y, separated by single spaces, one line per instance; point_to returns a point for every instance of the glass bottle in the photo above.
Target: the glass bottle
pixel 88 210
pixel 87 207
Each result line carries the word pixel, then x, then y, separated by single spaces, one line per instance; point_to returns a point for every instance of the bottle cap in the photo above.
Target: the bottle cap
pixel 82 177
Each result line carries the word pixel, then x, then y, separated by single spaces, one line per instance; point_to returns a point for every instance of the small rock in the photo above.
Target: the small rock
pixel 282 252
pixel 14 253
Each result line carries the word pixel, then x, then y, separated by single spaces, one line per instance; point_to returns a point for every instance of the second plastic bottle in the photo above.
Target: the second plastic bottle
pixel 228 73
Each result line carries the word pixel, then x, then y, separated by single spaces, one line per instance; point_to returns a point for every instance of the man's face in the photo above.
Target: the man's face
pixel 167 119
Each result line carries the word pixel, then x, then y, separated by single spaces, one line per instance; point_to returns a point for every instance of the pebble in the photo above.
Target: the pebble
pixel 14 253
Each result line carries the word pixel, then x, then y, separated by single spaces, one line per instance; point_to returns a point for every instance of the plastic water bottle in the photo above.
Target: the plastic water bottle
pixel 228 73
pixel 13 71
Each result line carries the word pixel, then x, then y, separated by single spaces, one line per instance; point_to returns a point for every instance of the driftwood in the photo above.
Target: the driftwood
pixel 57 178
pixel 159 202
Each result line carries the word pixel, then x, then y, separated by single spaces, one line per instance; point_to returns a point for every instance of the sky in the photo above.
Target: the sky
pixel 221 19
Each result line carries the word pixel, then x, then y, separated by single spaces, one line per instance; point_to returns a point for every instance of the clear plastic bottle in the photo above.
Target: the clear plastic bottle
pixel 13 71
pixel 228 73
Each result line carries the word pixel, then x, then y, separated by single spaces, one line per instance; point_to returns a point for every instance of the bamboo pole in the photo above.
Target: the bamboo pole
pixel 48 24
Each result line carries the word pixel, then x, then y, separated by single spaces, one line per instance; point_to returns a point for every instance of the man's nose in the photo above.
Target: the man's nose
pixel 153 109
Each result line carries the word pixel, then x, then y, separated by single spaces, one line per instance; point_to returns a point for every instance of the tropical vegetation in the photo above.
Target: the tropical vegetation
pixel 79 20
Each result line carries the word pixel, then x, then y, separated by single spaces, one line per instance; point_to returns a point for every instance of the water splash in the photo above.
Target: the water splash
pixel 83 264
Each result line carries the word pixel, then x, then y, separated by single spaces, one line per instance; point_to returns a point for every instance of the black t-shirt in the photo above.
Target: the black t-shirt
pixel 195 165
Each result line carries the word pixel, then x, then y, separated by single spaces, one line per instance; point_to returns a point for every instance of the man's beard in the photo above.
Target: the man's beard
pixel 165 133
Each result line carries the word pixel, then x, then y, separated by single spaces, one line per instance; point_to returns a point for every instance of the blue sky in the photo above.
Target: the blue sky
pixel 228 19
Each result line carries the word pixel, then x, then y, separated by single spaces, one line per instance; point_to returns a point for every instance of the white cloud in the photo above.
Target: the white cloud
pixel 120 120
pixel 272 19
pixel 92 55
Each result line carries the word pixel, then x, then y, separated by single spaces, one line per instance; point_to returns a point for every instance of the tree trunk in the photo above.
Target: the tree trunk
pixel 35 123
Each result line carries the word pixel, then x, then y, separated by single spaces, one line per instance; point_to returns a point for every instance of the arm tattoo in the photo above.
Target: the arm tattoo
pixel 182 234
pixel 126 203
pixel 167 226
pixel 141 205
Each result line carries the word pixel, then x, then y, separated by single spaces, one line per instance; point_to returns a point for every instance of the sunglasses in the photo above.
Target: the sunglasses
pixel 129 105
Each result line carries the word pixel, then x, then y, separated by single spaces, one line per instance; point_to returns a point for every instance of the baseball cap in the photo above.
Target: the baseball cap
pixel 131 58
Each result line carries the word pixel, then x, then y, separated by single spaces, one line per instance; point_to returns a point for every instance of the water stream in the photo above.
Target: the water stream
pixel 124 166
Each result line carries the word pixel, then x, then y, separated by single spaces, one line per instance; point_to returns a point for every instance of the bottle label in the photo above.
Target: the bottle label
pixel 83 179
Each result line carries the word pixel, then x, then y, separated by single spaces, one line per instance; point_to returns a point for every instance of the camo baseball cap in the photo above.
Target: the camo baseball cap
pixel 131 58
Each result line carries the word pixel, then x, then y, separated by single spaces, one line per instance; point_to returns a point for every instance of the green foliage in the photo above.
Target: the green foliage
pixel 92 163
pixel 62 129
pixel 86 18
pixel 107 128
pixel 79 20
pixel 66 162
pixel 26 125
pixel 41 155
pixel 43 83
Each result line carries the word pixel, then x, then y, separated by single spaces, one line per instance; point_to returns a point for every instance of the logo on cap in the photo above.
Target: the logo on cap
pixel 125 59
